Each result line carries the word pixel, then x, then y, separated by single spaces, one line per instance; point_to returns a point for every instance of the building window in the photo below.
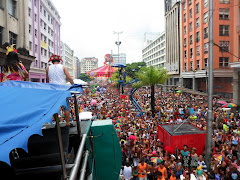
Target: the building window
pixel 1 4
pixel 205 3
pixel 30 45
pixel 1 35
pixel 36 48
pixel 29 12
pixel 185 42
pixel 41 8
pixel 198 50
pixel 224 1
pixel 191 52
pixel 190 26
pixel 191 66
pixel 189 2
pixel 12 38
pixel 45 26
pixel 198 64
pixel 191 41
pixel 197 22
pixel 224 14
pixel 223 62
pixel 185 29
pixel 184 17
pixel 218 80
pixel 205 17
pixel 205 33
pixel 205 48
pixel 224 46
pixel 224 30
pixel 45 52
pixel 35 33
pixel 35 3
pixel 185 66
pixel 42 51
pixel 49 18
pixel 44 12
pixel 35 18
pixel 228 79
pixel 185 54
pixel 184 5
pixel 30 29
pixel 198 36
pixel 12 7
pixel 190 13
pixel 197 8
pixel 205 63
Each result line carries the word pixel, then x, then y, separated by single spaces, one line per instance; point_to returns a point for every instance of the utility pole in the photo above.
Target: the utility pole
pixel 210 89
pixel 118 43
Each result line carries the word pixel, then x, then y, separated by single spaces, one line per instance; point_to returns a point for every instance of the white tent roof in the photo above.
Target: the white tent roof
pixel 78 81
pixel 85 115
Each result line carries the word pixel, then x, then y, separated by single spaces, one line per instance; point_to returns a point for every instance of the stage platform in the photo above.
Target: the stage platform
pixel 184 129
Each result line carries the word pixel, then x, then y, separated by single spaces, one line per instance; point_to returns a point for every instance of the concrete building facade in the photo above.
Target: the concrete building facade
pixel 195 38
pixel 173 41
pixel 13 23
pixel 78 66
pixel 154 54
pixel 68 58
pixel 121 59
pixel 88 64
pixel 44 36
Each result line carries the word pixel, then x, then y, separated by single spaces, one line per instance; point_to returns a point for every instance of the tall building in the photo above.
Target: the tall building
pixel 44 36
pixel 195 18
pixel 149 37
pixel 14 23
pixel 78 64
pixel 154 53
pixel 88 64
pixel 121 59
pixel 173 39
pixel 68 58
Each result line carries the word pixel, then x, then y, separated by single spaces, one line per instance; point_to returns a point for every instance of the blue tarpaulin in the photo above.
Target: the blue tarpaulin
pixel 23 111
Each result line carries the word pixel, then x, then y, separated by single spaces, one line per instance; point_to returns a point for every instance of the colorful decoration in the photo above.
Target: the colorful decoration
pixel 105 71
pixel 229 105
pixel 11 49
pixel 219 157
pixel 156 160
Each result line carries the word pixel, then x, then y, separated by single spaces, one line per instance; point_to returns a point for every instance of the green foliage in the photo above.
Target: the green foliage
pixel 151 76
pixel 133 68
pixel 85 77
pixel 115 78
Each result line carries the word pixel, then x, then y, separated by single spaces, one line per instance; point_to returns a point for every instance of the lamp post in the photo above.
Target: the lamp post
pixel 118 43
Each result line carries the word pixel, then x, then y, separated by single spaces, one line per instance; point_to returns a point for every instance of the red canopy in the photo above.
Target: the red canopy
pixel 105 71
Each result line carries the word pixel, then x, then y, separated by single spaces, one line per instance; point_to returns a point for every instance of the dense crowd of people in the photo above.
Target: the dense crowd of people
pixel 143 155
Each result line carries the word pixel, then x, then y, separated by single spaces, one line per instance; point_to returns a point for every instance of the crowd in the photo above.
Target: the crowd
pixel 144 156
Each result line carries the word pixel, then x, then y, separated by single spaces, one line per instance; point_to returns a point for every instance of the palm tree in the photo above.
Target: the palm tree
pixel 151 76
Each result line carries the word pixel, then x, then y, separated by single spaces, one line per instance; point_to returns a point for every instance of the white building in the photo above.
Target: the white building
pixel 68 58
pixel 88 64
pixel 44 36
pixel 154 53
pixel 120 59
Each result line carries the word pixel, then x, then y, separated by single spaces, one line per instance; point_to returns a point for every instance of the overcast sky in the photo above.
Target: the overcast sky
pixel 88 25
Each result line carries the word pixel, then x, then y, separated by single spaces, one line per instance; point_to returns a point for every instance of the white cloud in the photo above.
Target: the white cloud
pixel 87 26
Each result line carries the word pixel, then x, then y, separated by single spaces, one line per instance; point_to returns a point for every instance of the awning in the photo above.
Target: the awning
pixel 105 71
pixel 24 111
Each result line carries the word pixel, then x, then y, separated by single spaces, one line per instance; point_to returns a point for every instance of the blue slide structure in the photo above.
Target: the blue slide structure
pixel 131 96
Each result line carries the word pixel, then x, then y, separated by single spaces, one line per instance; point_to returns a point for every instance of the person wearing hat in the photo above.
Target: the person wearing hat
pixel 55 74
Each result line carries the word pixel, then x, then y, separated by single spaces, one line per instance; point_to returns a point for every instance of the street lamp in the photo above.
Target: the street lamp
pixel 118 43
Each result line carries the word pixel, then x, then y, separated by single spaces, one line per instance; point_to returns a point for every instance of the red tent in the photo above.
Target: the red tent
pixel 104 71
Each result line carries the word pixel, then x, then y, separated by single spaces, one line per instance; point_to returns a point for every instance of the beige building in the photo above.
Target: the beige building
pixel 13 23
pixel 68 58
pixel 88 64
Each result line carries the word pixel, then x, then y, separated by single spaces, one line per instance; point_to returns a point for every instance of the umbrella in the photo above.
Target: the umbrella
pixel 179 91
pixel 132 137
pixel 118 65
pixel 118 125
pixel 118 130
pixel 169 149
pixel 229 105
pixel 221 102
pixel 219 157
pixel 119 121
pixel 156 160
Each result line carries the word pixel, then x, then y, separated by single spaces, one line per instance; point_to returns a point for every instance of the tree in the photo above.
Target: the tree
pixel 133 68
pixel 115 77
pixel 150 76
pixel 85 77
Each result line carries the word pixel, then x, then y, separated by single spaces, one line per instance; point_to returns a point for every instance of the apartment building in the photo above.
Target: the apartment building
pixel 44 36
pixel 88 64
pixel 195 37
pixel 68 58
pixel 119 59
pixel 154 52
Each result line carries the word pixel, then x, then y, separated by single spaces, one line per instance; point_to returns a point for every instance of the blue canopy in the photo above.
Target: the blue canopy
pixel 118 65
pixel 26 84
pixel 23 111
